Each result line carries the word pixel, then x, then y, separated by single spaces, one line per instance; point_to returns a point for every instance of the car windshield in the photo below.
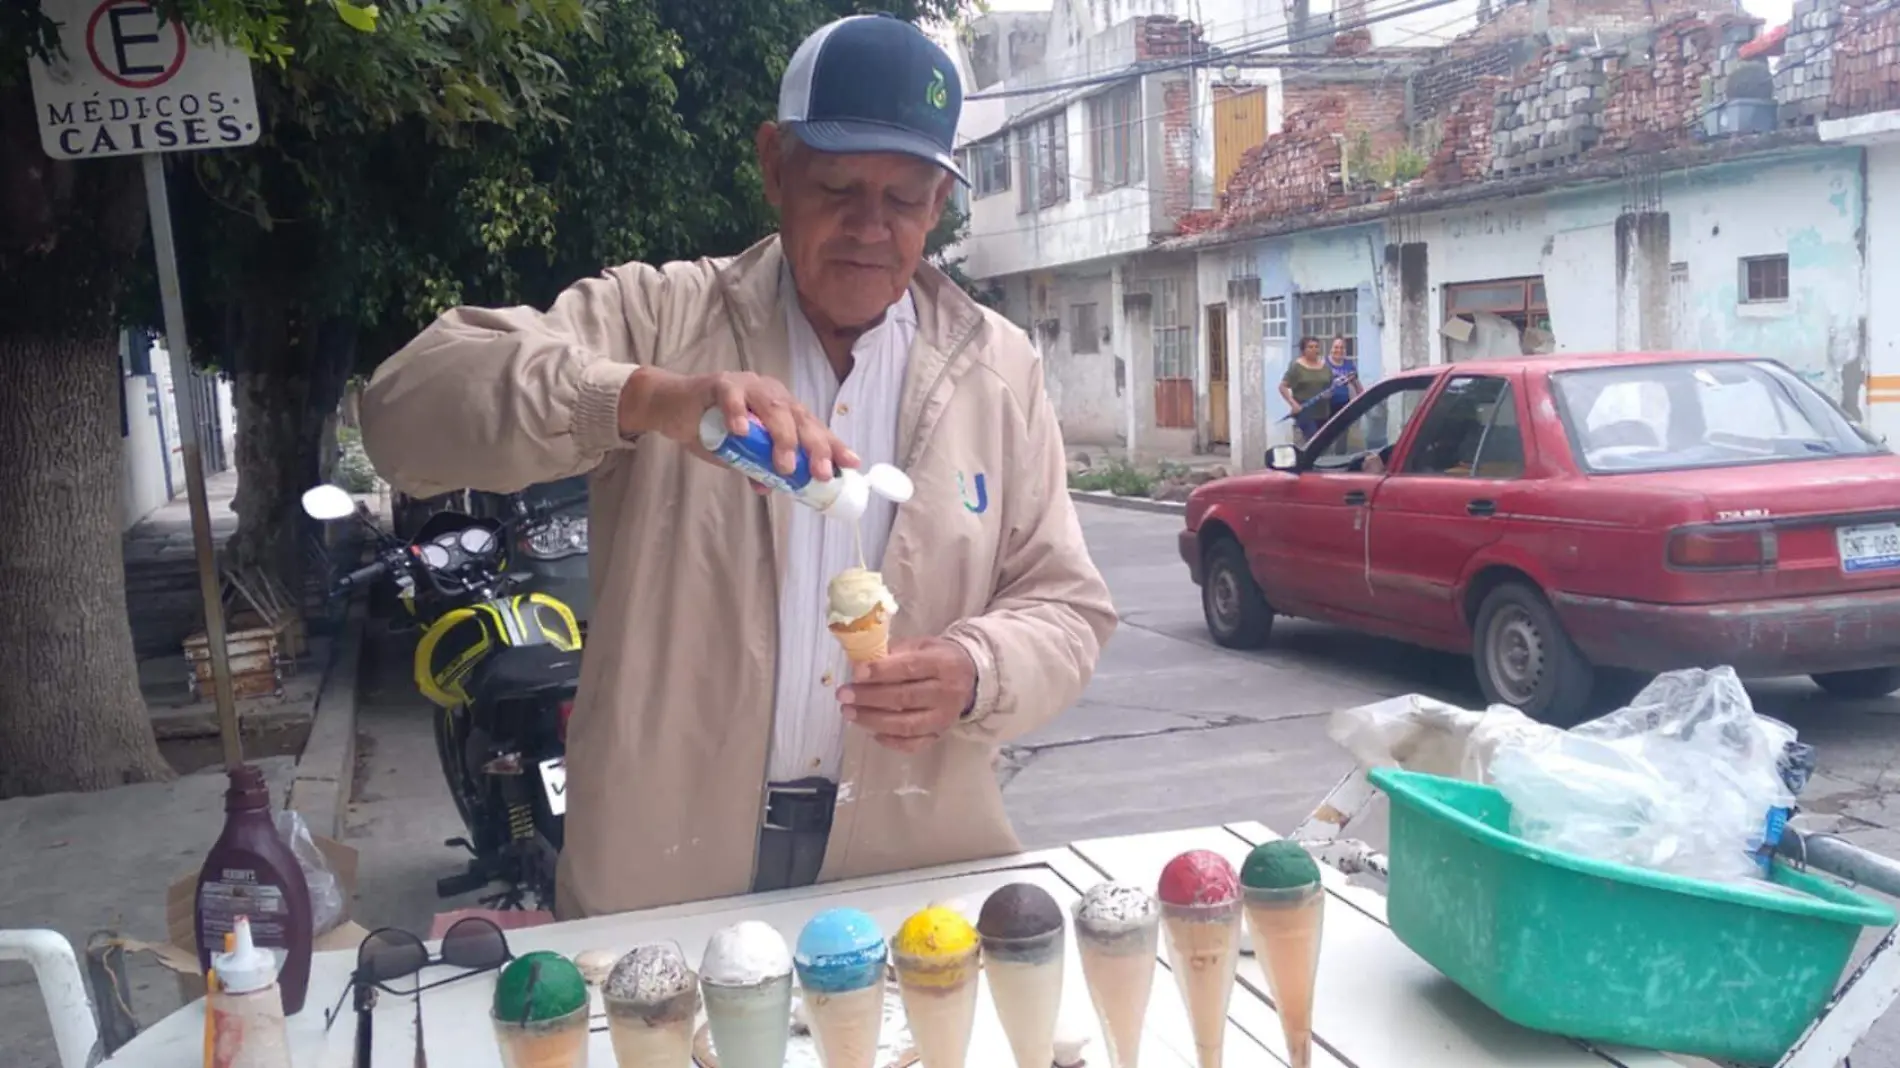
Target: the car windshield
pixel 1707 413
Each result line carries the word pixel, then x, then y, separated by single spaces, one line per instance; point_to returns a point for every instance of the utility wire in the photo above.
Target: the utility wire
pixel 1144 185
pixel 1140 69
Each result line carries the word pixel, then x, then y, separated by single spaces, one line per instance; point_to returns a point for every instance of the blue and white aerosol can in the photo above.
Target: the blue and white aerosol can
pixel 845 495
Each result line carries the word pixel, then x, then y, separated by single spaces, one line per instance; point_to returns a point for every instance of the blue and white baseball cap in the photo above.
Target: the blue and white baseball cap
pixel 873 83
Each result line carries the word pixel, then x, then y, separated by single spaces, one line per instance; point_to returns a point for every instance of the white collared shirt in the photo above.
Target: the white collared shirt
pixel 808 725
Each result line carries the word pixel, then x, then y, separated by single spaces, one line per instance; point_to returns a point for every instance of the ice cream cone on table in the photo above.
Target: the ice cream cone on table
pixel 652 1001
pixel 840 963
pixel 540 1012
pixel 1285 911
pixel 745 976
pixel 1200 917
pixel 938 958
pixel 860 612
pixel 1117 929
pixel 1023 954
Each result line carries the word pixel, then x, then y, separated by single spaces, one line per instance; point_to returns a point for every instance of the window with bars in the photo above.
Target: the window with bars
pixel 1115 137
pixel 1330 314
pixel 1085 333
pixel 987 164
pixel 1043 147
pixel 1764 279
pixel 1273 317
pixel 1173 334
pixel 1174 343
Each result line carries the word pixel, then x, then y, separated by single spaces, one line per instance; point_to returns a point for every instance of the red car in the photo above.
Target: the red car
pixel 1553 516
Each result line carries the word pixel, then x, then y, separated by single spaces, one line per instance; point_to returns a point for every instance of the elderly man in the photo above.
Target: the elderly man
pixel 721 743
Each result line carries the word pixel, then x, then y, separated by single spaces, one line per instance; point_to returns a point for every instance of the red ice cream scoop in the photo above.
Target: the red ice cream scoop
pixel 1198 877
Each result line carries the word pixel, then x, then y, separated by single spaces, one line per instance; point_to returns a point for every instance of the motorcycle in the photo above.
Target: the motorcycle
pixel 501 665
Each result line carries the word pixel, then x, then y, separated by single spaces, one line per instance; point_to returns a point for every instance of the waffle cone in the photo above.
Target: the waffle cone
pixel 866 638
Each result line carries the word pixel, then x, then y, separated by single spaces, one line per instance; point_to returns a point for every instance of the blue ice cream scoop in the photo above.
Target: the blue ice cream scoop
pixel 840 950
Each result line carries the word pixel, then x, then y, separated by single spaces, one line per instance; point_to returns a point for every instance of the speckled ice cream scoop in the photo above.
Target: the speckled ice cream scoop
pixel 649 975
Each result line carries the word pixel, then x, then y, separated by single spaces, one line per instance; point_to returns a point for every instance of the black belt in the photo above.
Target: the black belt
pixel 802 807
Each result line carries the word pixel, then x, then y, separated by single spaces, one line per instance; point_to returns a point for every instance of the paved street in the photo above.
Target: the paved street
pixel 1173 732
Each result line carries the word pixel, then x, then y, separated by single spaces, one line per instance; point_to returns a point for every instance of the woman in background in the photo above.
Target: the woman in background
pixel 1345 371
pixel 1306 387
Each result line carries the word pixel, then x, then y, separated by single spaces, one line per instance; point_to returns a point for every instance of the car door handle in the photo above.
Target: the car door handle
pixel 1481 507
pixel 1356 497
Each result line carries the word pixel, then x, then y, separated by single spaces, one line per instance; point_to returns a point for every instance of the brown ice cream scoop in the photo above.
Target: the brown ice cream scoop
pixel 1019 910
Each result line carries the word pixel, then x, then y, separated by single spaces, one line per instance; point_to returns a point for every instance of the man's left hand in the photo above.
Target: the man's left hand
pixel 911 697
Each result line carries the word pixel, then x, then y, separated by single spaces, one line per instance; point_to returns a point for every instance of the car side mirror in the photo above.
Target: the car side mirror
pixel 1283 458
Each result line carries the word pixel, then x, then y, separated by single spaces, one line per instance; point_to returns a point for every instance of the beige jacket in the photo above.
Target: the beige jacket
pixel 668 743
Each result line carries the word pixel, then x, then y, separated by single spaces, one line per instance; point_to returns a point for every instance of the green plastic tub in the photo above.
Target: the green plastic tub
pixel 1608 952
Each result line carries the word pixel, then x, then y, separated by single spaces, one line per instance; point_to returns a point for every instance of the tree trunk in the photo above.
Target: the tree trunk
pixel 288 382
pixel 71 715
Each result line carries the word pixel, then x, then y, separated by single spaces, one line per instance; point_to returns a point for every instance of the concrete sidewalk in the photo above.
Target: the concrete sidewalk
pixel 161 567
pixel 83 863
pixel 80 863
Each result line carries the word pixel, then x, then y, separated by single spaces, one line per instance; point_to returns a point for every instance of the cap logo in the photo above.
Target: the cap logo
pixel 936 92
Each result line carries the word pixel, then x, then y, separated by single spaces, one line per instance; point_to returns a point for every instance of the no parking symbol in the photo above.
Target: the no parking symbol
pixel 130 82
pixel 130 46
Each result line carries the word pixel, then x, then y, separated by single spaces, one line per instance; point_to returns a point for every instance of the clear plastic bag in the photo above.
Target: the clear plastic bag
pixel 1419 733
pixel 1680 780
pixel 326 893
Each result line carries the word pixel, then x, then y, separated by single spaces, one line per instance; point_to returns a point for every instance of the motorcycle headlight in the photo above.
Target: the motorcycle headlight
pixel 557 538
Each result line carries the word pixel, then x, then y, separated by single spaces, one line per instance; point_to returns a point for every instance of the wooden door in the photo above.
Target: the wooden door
pixel 1217 377
pixel 1240 123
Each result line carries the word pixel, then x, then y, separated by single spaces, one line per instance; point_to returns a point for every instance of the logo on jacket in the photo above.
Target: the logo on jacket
pixel 981 503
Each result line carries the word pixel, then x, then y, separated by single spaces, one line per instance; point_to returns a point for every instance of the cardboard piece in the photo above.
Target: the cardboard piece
pixel 180 954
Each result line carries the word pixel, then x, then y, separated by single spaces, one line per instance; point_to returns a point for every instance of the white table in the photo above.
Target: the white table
pixel 1380 1006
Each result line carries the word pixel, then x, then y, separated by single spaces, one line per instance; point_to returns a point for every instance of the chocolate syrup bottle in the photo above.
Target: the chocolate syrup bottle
pixel 252 872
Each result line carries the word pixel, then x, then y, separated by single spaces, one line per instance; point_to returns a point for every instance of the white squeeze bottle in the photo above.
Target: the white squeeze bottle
pixel 247 1009
pixel 844 496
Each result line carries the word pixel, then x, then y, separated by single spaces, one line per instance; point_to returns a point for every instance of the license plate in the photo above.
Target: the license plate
pixel 554 782
pixel 1875 547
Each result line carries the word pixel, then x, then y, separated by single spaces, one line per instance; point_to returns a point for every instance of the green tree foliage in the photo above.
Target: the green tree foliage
pixel 364 229
pixel 415 155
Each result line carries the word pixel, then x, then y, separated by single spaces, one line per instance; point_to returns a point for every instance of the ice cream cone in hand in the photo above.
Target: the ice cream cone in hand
pixel 860 614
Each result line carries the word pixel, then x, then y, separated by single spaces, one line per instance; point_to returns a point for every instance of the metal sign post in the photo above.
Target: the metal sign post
pixel 129 83
pixel 209 587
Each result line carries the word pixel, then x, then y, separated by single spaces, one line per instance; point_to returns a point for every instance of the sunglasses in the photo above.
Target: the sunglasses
pixel 473 944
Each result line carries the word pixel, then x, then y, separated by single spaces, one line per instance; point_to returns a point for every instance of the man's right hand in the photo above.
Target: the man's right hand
pixel 671 405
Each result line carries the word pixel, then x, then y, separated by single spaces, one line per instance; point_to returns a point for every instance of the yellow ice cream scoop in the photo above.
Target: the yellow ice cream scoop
pixel 935 947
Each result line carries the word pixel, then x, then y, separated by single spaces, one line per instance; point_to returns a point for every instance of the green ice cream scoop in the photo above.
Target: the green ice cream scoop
pixel 539 986
pixel 1278 865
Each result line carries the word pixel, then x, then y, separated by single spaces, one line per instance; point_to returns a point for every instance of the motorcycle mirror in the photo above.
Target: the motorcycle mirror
pixel 327 503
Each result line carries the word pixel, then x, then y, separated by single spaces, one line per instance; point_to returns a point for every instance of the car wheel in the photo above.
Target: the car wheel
pixel 1237 613
pixel 1872 682
pixel 1525 660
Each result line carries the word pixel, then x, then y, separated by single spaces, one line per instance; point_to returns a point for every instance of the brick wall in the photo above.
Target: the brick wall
pixel 1866 65
pixel 1355 42
pixel 1464 147
pixel 1445 83
pixel 1166 37
pixel 1177 147
pixel 1549 114
pixel 1295 170
pixel 1804 80
pixel 1611 82
pixel 1659 98
pixel 1376 109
